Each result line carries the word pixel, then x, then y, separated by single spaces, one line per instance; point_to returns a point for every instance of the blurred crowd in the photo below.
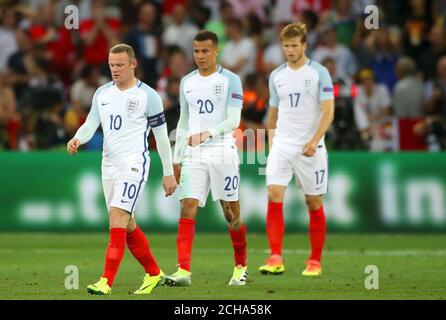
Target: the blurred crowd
pixel 390 82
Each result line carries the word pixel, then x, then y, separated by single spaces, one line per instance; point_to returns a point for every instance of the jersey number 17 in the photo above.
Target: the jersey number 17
pixel 294 99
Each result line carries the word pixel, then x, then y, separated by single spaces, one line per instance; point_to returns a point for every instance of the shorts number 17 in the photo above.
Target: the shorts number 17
pixel 319 176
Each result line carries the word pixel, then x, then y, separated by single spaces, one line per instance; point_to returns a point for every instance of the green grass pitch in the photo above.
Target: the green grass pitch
pixel 410 267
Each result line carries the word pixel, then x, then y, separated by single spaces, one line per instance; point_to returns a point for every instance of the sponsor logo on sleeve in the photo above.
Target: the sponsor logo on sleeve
pixel 237 96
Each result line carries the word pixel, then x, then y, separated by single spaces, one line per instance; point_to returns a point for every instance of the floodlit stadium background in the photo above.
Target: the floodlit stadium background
pixel 386 154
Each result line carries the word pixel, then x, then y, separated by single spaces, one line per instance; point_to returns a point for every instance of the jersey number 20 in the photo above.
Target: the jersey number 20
pixel 205 106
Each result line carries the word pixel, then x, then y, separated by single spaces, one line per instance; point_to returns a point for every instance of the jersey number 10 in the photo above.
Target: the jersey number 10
pixel 115 122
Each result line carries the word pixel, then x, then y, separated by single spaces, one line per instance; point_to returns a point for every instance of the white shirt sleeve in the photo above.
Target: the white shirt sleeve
pixel 182 128
pixel 157 121
pixel 91 124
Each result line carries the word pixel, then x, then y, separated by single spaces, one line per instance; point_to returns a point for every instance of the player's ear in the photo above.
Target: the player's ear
pixel 133 63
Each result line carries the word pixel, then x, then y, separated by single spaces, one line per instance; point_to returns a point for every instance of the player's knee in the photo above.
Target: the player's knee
pixel 119 218
pixel 188 209
pixel 131 226
pixel 231 211
pixel 313 204
pixel 275 195
pixel 236 223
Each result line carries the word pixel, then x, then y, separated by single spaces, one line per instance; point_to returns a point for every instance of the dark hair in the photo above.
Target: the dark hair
pixel 224 4
pixel 236 22
pixel 254 25
pixel 42 63
pixel 174 49
pixel 311 19
pixel 328 59
pixel 86 71
pixel 250 80
pixel 204 35
pixel 172 79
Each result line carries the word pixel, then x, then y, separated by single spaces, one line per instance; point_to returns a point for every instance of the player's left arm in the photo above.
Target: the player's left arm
pixel 326 98
pixel 157 122
pixel 234 102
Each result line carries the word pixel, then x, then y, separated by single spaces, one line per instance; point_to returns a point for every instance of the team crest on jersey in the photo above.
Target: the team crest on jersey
pixel 132 105
pixel 308 83
pixel 218 89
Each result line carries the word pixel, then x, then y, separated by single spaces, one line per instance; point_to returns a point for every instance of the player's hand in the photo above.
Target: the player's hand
pixel 72 146
pixel 309 149
pixel 99 18
pixel 198 138
pixel 169 185
pixel 177 172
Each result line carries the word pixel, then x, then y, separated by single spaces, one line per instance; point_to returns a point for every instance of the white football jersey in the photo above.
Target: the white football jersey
pixel 297 94
pixel 126 118
pixel 206 100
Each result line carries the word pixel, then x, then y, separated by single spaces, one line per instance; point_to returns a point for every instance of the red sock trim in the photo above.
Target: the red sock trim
pixel 185 238
pixel 238 238
pixel 186 221
pixel 140 249
pixel 317 233
pixel 114 254
pixel 275 227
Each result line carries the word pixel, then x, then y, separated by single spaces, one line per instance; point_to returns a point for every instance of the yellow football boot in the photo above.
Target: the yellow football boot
pixel 274 265
pixel 99 288
pixel 313 269
pixel 150 283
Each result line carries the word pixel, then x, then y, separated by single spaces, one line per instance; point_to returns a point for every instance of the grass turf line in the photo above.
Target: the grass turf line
pixel 410 267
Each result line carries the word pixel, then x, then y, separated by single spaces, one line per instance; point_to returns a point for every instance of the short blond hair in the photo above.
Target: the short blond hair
pixel 293 30
pixel 123 48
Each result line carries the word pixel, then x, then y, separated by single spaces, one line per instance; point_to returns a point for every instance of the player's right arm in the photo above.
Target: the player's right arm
pixel 181 134
pixel 87 130
pixel 272 111
pixel 272 123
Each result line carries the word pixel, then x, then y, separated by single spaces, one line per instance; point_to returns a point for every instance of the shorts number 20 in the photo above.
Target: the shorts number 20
pixel 231 182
